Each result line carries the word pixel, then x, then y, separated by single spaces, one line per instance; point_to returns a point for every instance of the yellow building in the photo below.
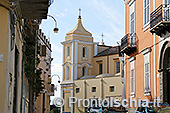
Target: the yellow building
pixel 14 87
pixel 90 70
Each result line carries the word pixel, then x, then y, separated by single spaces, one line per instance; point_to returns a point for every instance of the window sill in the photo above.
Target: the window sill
pixel 147 93
pixel 146 26
pixel 117 74
pixel 132 95
pixel 68 57
pixel 84 58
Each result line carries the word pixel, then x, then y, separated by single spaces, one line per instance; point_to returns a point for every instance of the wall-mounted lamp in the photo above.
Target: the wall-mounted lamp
pixel 55 28
pixel 57 76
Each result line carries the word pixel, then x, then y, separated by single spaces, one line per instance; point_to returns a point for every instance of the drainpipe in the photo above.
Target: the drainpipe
pixel 124 62
pixel 154 39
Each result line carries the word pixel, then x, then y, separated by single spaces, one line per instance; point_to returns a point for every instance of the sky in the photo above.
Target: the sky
pixel 98 16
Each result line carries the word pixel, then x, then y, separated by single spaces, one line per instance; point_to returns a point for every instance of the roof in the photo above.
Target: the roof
pixel 99 76
pixel 109 51
pixel 79 29
pixel 105 75
pixel 88 77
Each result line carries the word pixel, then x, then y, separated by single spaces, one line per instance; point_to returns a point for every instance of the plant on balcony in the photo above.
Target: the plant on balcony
pixel 31 62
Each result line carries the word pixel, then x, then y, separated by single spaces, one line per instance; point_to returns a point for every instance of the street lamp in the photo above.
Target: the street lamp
pixel 57 76
pixel 55 28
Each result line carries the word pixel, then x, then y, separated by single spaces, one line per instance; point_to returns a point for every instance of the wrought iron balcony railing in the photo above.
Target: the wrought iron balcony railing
pixel 128 40
pixel 160 19
pixel 51 2
pixel 128 43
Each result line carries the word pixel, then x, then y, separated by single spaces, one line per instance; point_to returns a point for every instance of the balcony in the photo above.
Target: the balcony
pixel 128 44
pixel 50 90
pixel 160 20
pixel 32 9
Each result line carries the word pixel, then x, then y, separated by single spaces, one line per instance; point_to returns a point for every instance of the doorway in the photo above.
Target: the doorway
pixel 166 76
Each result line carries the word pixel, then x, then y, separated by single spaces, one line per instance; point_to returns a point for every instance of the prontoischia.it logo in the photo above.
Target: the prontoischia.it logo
pixel 59 102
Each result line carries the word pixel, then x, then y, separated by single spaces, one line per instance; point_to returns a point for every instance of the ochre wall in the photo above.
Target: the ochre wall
pixel 3 50
pixel 145 39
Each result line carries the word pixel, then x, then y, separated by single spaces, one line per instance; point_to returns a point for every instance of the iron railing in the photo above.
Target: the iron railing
pixel 162 13
pixel 50 2
pixel 128 40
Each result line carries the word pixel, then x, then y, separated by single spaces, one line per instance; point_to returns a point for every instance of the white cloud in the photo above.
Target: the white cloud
pixel 66 9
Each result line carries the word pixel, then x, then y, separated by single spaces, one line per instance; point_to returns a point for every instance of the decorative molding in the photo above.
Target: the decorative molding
pixel 131 2
pixel 145 51
pixel 80 35
pixel 67 84
pixel 132 95
pixel 85 63
pixel 67 89
pixel 147 93
pixel 131 59
pixel 70 41
pixel 67 63
pixel 125 1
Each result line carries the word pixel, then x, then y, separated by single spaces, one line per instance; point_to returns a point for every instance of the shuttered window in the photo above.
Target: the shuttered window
pixel 84 52
pixel 132 24
pixel 132 77
pixel 43 50
pixel 68 51
pixel 146 11
pixel 100 68
pixel 84 71
pixel 117 67
pixel 147 71
pixel 67 73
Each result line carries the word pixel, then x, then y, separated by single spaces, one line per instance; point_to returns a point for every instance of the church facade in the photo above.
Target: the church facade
pixel 90 70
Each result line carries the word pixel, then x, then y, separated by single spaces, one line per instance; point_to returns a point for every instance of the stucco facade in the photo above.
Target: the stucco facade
pixel 10 63
pixel 142 77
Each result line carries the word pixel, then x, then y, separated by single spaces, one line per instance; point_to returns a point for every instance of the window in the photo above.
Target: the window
pixel 67 73
pixel 166 2
pixel 132 78
pixel 77 90
pixel 132 75
pixel 132 24
pixel 146 54
pixel 84 71
pixel 117 67
pixel 43 51
pixel 146 11
pixel 100 68
pixel 68 51
pixel 112 89
pixel 166 10
pixel 93 89
pixel 84 52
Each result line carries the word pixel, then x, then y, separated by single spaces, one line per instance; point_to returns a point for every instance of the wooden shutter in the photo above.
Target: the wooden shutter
pixel 43 50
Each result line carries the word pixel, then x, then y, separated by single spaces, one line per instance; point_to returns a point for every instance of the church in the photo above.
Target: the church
pixel 91 70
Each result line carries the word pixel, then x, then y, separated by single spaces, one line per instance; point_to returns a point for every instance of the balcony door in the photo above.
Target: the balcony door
pixel 166 76
pixel 166 2
pixel 132 24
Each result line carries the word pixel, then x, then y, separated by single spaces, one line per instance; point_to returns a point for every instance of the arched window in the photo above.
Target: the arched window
pixel 84 52
pixel 67 73
pixel 68 51
pixel 84 71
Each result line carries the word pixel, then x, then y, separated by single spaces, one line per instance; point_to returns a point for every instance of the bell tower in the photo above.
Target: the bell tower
pixel 78 51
